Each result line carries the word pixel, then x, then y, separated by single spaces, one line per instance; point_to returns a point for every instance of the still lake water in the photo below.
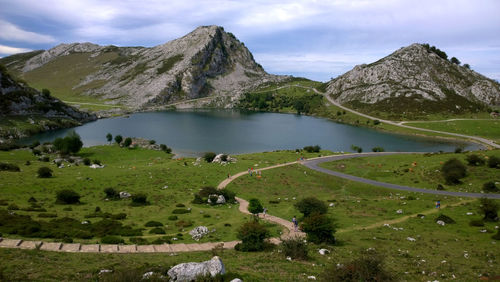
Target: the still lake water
pixel 190 133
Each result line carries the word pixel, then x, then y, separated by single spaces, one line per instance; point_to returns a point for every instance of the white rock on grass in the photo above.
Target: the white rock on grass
pixel 470 213
pixel 236 280
pixel 440 222
pixel 323 251
pixel 124 195
pixel 331 205
pixel 147 275
pixel 190 270
pixel 399 211
pixel 105 271
pixel 311 277
pixel 411 239
pixel 198 232
pixel 220 199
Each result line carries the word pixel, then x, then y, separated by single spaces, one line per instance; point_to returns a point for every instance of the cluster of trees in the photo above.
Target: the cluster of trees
pixel 443 55
pixel 70 144
pixel 268 101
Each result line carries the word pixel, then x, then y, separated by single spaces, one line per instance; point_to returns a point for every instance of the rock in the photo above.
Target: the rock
pixel 124 195
pixel 147 275
pixel 190 270
pixel 289 258
pixel 440 222
pixel 96 166
pixel 324 251
pixel 311 277
pixel 411 239
pixel 105 271
pixel 236 280
pixel 470 213
pixel 331 205
pixel 220 199
pixel 198 232
pixel 399 211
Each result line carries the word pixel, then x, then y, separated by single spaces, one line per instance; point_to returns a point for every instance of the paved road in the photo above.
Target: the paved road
pixel 314 164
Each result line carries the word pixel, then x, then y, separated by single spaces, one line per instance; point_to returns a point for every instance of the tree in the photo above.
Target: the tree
pixel 453 170
pixel 455 61
pixel 252 235
pixel 72 143
pixel 118 139
pixel 209 156
pixel 319 229
pixel 378 149
pixel 467 66
pixel 489 208
pixel 255 207
pixel 67 196
pixel 109 137
pixel 490 187
pixel 356 148
pixel 311 205
pixel 127 142
pixel 494 162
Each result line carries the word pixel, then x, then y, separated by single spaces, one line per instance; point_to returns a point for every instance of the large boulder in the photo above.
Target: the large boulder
pixel 190 270
pixel 198 232
pixel 220 199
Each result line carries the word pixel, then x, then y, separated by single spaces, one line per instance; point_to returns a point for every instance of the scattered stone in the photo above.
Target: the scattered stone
pixel 220 199
pixel 96 166
pixel 198 232
pixel 190 270
pixel 331 205
pixel 311 277
pixel 85 222
pixel 124 195
pixel 470 213
pixel 411 239
pixel 399 211
pixel 324 251
pixel 147 275
pixel 440 222
pixel 236 280
pixel 105 271
pixel 289 258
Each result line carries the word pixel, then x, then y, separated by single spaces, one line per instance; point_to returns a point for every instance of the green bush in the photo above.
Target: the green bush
pixel 378 149
pixel 197 199
pixel 369 266
pixel 312 149
pixel 12 207
pixel 181 211
pixel 9 167
pixel 254 206
pixel 180 205
pixel 139 200
pixel 440 187
pixel 72 143
pixel 118 139
pixel 356 148
pixel 209 156
pixel 311 205
pixel 67 196
pixel 138 241
pixel 127 142
pixel 44 172
pixel 474 160
pixel 67 240
pixel 86 161
pixel 153 223
pixel 183 223
pixel 319 229
pixel 476 223
pixel 490 187
pixel 252 235
pixel 119 216
pixel 111 194
pixel 446 219
pixel 109 137
pixel 47 215
pixel 489 208
pixel 494 162
pixel 157 230
pixel 166 149
pixel 112 240
pixel 172 217
pixel 295 248
pixel 162 240
pixel 496 236
pixel 453 170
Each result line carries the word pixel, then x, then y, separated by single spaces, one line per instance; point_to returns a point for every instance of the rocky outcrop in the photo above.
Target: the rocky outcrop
pixel 206 62
pixel 190 270
pixel 414 78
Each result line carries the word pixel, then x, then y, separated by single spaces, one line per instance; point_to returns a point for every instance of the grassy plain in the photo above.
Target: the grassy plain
pixel 489 129
pixel 419 170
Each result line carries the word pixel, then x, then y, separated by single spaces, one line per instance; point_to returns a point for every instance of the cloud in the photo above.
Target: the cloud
pixel 11 32
pixel 7 50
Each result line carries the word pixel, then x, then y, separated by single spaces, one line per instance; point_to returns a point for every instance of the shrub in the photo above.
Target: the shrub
pixel 183 223
pixel 274 202
pixel 44 172
pixel 12 207
pixel 252 235
pixel 47 215
pixel 109 137
pixel 376 122
pixel 9 167
pixel 356 148
pixel 207 191
pixel 490 187
pixel 96 161
pixel 209 156
pixel 139 200
pixel 476 223
pixel 157 230
pixel 453 170
pixel 440 187
pixel 67 196
pixel 152 142
pixel 458 150
pixel 112 240
pixel 197 199
pixel 494 162
pixel 180 205
pixel 295 248
pixel 86 161
pixel 206 216
pixel 166 149
pixel 378 149
pixel 153 223
pixel 162 240
pixel 496 236
pixel 127 142
pixel 119 216
pixel 255 206
pixel 369 266
pixel 36 152
pixel 181 211
pixel 44 159
pixel 138 241
pixel 118 139
pixel 312 149
pixel 213 199
pixel 446 219
pixel 111 193
pixel 489 208
pixel 474 160
pixel 310 205
pixel 172 217
pixel 228 195
pixel 72 143
pixel 319 229
pixel 223 158
pixel 27 163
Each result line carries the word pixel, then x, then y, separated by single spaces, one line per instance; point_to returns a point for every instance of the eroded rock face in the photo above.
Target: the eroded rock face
pixel 198 232
pixel 190 270
pixel 414 74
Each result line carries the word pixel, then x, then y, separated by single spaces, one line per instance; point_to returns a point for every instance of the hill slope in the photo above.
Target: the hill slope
pixel 414 81
pixel 24 110
pixel 205 62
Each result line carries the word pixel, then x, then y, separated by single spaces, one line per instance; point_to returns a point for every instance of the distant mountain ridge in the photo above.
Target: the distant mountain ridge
pixel 206 62
pixel 414 80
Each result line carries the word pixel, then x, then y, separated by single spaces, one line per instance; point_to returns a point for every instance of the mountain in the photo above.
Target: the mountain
pixel 206 62
pixel 415 81
pixel 24 110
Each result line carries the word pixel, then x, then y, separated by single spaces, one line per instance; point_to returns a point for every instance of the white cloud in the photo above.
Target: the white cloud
pixel 7 50
pixel 11 32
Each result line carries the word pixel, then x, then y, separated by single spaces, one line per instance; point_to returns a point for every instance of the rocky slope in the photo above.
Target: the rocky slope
pixel 205 62
pixel 24 110
pixel 414 80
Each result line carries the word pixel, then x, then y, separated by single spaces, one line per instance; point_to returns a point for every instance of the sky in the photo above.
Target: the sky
pixel 318 40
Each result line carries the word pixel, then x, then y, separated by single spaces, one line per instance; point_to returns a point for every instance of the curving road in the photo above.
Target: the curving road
pixel 314 164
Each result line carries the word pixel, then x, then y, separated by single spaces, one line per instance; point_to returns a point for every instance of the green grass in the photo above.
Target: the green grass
pixel 489 129
pixel 423 171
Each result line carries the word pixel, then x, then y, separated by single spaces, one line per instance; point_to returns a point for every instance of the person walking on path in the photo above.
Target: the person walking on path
pixel 264 211
pixel 438 204
pixel 295 224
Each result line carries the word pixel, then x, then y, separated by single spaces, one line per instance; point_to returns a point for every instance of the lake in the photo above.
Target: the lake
pixel 190 133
